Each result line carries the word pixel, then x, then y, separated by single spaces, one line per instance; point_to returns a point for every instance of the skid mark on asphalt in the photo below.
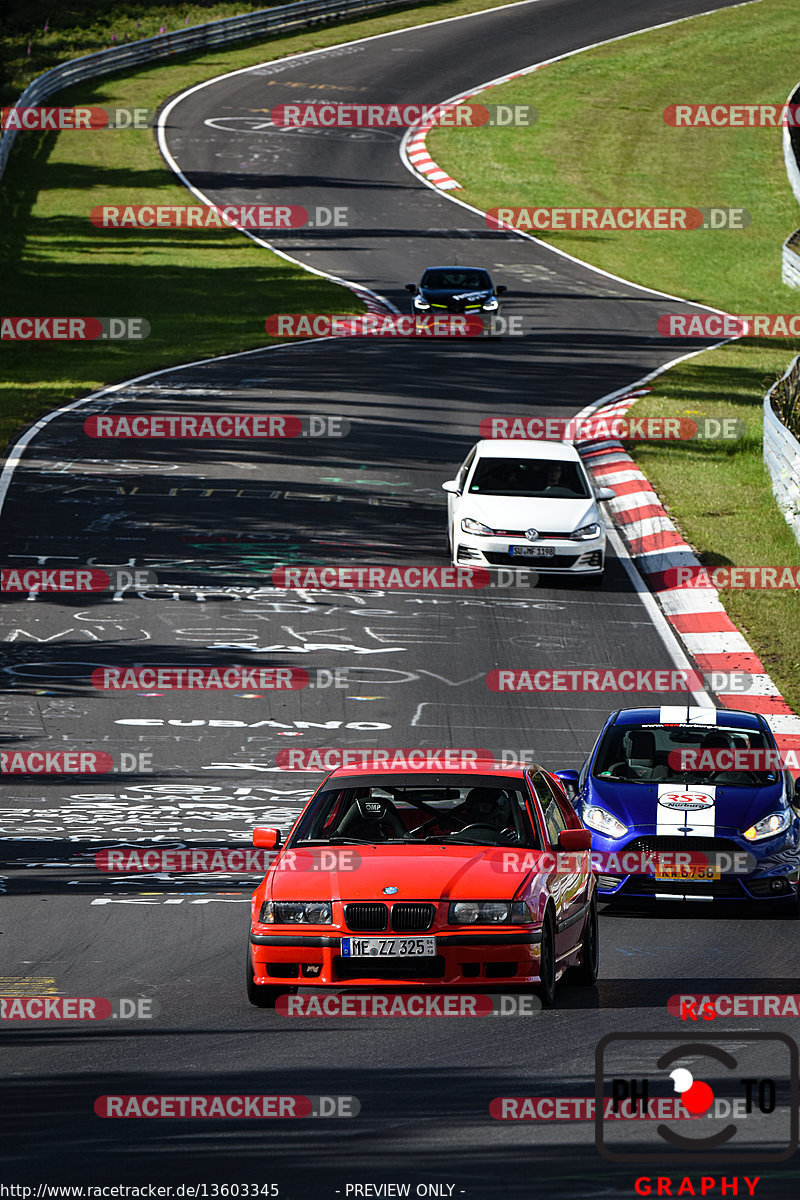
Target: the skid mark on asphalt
pixel 27 985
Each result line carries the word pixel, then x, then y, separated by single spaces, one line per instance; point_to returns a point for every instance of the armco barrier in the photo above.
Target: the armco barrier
pixel 790 253
pixel 790 260
pixel 782 456
pixel 182 41
pixel 791 148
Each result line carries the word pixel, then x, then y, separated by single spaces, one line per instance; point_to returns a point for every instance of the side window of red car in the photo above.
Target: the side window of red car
pixel 553 817
pixel 554 821
pixel 571 820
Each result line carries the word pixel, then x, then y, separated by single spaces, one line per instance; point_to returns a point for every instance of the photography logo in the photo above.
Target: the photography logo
pixel 739 1092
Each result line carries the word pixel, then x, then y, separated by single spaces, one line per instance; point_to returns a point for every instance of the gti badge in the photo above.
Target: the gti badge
pixel 390 891
pixel 532 535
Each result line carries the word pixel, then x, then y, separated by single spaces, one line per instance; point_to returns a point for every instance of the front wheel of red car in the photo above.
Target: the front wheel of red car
pixel 547 962
pixel 585 973
pixel 259 994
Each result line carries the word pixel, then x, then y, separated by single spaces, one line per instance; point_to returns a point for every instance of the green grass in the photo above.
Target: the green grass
pixel 204 292
pixel 600 139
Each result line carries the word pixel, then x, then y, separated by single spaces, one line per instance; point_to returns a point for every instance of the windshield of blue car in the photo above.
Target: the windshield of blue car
pixel 469 810
pixel 440 279
pixel 530 477
pixel 701 754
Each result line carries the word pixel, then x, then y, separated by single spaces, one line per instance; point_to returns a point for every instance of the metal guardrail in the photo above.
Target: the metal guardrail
pixel 782 457
pixel 791 148
pixel 790 251
pixel 790 260
pixel 182 41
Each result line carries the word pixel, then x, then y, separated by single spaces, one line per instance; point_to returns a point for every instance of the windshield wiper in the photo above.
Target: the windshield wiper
pixel 336 839
pixel 420 841
pixel 457 841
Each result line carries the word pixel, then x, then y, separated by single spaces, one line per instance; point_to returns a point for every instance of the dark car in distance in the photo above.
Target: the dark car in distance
pixel 455 290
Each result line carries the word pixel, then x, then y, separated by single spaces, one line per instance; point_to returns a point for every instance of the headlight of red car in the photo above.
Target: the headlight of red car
pixel 489 912
pixel 296 912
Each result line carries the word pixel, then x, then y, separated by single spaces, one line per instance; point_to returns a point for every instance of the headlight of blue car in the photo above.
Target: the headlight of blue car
pixel 769 826
pixel 602 821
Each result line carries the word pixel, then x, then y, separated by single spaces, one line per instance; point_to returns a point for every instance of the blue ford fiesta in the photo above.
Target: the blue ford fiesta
pixel 672 779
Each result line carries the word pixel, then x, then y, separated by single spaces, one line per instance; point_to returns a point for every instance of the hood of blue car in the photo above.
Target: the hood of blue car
pixel 659 807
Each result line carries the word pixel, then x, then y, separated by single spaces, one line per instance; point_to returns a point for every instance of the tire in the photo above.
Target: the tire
pixel 546 989
pixel 259 995
pixel 585 973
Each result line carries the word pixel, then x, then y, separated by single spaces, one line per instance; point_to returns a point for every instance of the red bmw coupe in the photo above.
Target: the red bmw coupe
pixel 428 879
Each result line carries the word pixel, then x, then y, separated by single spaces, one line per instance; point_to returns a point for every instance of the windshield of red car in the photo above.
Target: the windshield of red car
pixel 470 810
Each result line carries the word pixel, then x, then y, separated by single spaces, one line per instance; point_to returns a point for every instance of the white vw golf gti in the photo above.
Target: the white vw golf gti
pixel 526 503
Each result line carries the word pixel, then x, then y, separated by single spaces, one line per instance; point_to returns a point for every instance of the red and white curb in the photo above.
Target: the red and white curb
pixel 414 144
pixel 423 164
pixel 373 302
pixel 695 614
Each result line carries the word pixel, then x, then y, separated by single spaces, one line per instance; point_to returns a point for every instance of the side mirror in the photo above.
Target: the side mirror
pixel 575 839
pixel 501 289
pixel 606 494
pixel 266 839
pixel 451 485
pixel 411 287
pixel 569 780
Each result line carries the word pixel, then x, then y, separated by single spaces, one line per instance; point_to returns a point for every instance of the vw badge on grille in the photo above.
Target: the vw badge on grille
pixel 532 535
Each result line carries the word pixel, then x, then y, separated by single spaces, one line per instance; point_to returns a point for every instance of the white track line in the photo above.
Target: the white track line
pixel 25 438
